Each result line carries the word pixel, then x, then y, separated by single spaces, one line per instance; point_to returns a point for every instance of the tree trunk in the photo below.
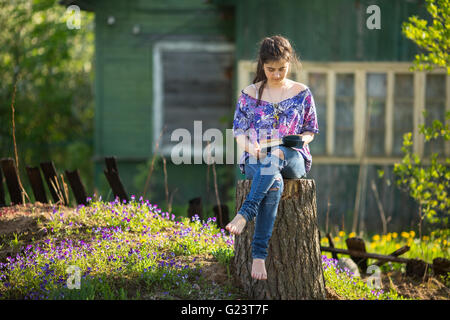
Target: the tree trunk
pixel 294 263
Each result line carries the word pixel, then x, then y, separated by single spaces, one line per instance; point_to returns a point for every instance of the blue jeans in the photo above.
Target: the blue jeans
pixel 265 193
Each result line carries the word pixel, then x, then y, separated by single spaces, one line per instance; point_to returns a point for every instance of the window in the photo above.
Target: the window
pixel 403 110
pixel 318 85
pixel 344 121
pixel 435 108
pixel 347 94
pixel 192 82
pixel 376 106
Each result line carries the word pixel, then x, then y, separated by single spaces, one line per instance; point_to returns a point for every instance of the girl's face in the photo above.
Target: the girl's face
pixel 276 71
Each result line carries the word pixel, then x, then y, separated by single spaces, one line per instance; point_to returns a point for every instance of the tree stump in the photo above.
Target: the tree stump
pixel 294 263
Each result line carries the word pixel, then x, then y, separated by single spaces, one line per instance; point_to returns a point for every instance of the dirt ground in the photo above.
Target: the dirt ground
pixel 24 220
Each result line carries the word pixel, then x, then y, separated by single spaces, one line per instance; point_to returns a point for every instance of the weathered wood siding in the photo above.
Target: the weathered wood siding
pixel 124 82
pixel 328 30
pixel 335 31
pixel 320 30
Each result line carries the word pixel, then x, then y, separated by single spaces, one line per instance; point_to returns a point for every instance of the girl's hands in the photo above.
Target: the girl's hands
pixel 255 150
pixel 307 137
pixel 252 148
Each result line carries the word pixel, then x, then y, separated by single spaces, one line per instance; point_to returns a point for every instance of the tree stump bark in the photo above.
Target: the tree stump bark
pixel 294 263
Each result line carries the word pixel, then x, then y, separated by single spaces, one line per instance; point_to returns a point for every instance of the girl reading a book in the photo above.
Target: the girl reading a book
pixel 272 107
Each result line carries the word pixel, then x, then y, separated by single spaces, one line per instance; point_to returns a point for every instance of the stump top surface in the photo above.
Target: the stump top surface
pixel 293 188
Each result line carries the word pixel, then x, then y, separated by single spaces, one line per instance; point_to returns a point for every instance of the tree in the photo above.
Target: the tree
pixel 434 39
pixel 51 67
pixel 428 184
pixel 294 264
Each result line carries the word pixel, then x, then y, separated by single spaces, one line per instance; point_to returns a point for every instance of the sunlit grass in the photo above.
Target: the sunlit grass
pixel 136 251
pixel 123 251
pixel 349 287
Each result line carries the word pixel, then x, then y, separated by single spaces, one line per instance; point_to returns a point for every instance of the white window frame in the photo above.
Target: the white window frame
pixel 158 80
pixel 360 70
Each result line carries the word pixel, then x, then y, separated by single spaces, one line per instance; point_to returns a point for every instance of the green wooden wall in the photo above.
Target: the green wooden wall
pixel 123 87
pixel 327 30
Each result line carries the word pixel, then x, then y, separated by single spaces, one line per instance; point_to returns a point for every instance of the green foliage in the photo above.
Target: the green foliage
pixel 224 255
pixel 433 38
pixel 350 287
pixel 135 251
pixel 52 67
pixel 121 250
pixel 427 184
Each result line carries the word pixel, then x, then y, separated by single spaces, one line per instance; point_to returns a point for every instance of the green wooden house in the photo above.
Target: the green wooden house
pixel 161 65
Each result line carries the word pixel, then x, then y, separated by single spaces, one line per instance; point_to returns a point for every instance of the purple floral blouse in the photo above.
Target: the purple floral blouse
pixel 294 115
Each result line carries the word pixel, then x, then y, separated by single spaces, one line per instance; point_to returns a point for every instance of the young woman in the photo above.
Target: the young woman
pixel 272 107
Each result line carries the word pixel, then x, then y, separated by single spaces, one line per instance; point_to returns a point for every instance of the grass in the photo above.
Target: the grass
pixel 123 251
pixel 348 287
pixel 135 251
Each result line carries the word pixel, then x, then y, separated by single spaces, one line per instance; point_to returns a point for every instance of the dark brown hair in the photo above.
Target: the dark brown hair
pixel 273 48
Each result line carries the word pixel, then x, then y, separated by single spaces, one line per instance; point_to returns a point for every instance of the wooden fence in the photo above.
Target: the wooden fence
pixel 59 193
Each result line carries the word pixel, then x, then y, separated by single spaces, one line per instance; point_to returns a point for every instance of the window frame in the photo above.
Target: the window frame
pixel 360 71
pixel 158 86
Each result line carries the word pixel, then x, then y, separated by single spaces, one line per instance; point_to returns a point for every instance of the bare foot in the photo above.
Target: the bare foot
pixel 236 225
pixel 259 269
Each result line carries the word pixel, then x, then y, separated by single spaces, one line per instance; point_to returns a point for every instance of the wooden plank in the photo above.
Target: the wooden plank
pixel 195 207
pixel 116 185
pixel 51 177
pixel 111 164
pixel 37 185
pixel 330 240
pixel 2 191
pixel 441 266
pixel 112 175
pixel 12 180
pixel 77 186
pixel 222 215
pixel 357 244
pixel 365 255
pixel 417 268
pixel 396 253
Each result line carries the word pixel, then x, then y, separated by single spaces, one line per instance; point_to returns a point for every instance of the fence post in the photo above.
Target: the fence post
pixel 112 175
pixel 77 186
pixel 34 176
pixel 357 244
pixel 225 215
pixel 2 191
pixel 51 177
pixel 195 207
pixel 12 180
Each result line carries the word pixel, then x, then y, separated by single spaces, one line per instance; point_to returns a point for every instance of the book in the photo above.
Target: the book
pixel 291 141
pixel 270 143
